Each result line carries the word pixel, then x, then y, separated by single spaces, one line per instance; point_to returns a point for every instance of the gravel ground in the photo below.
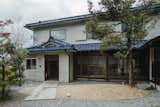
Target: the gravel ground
pixel 20 93
pixel 98 92
pixel 150 101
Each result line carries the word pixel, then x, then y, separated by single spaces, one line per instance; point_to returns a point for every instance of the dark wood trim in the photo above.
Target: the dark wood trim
pixel 107 68
pixel 49 72
pixel 69 68
pixel 108 73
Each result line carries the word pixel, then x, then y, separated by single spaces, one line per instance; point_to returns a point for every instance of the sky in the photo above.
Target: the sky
pixel 28 11
pixel 33 10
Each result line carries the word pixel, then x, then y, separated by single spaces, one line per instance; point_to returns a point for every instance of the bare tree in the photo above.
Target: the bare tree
pixel 20 36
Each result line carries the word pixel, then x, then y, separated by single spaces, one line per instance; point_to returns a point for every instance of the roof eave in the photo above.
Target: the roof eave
pixel 40 24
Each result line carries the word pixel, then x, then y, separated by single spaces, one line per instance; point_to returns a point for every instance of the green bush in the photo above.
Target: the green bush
pixel 9 79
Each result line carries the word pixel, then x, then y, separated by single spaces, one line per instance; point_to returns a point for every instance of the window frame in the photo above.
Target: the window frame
pixel 88 36
pixel 32 65
pixel 52 30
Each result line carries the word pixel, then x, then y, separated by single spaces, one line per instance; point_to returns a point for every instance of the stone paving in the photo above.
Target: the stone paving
pixel 153 100
pixel 45 91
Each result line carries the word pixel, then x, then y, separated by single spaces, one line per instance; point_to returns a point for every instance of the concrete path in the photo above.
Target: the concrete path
pixel 45 91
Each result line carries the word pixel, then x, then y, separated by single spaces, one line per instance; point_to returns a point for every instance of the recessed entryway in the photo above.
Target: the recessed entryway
pixel 51 67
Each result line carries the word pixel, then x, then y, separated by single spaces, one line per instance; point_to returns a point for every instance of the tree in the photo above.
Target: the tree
pixel 17 62
pixel 20 36
pixel 156 0
pixel 7 76
pixel 133 20
pixel 19 39
pixel 11 59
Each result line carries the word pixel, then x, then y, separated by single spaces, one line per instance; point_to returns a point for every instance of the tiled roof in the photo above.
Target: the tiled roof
pixel 58 21
pixel 56 45
pixel 152 40
pixel 97 46
pixel 156 5
pixel 51 45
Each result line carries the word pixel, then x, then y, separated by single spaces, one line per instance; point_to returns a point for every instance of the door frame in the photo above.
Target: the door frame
pixel 51 58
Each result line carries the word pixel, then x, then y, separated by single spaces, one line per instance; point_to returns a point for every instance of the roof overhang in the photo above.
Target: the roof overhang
pixel 61 21
pixel 151 42
pixel 71 20
pixel 53 45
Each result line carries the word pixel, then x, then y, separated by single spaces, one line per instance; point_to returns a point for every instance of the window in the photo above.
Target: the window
pixel 124 27
pixel 88 36
pixel 31 64
pixel 59 34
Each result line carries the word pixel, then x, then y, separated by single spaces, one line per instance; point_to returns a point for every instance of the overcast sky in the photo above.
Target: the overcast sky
pixel 34 10
pixel 27 11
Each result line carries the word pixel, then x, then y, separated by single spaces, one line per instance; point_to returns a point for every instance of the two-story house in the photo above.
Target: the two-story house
pixel 63 51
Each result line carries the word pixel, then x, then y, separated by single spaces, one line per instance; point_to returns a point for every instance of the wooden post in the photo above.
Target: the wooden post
pixel 81 60
pixel 74 65
pixel 88 66
pixel 107 68
pixel 150 63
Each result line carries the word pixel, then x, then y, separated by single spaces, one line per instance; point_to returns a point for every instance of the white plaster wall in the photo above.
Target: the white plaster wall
pixel 117 27
pixel 38 73
pixel 75 33
pixel 63 68
pixel 40 36
pixel 158 87
pixel 154 30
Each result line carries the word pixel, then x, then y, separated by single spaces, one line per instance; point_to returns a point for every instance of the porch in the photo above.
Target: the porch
pixel 86 61
pixel 154 59
pixel 96 65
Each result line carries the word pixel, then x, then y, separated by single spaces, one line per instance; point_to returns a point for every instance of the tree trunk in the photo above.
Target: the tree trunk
pixel 3 79
pixel 130 70
pixel 129 63
pixel 20 78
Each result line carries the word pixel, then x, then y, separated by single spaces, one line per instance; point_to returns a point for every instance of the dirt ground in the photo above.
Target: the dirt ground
pixel 20 93
pixel 98 92
pixel 26 91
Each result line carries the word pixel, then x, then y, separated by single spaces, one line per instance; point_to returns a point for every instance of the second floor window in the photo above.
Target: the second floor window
pixel 88 35
pixel 59 34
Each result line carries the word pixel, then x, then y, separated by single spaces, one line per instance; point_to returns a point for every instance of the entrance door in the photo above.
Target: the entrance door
pixel 51 67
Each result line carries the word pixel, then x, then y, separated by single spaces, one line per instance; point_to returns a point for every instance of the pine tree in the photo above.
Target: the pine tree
pixel 133 20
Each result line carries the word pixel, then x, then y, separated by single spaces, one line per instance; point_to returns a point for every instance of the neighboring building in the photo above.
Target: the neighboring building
pixel 64 51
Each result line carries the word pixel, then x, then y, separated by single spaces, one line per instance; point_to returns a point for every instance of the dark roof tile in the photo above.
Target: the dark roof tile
pixel 56 45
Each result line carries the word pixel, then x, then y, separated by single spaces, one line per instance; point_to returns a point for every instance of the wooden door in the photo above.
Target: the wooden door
pixel 51 68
